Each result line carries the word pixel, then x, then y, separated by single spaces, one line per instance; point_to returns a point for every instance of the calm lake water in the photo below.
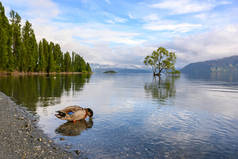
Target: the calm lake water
pixel 135 115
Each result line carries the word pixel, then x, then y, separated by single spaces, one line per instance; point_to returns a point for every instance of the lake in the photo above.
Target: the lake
pixel 135 116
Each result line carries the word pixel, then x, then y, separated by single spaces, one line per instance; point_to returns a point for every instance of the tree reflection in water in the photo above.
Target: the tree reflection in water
pixel 74 129
pixel 31 91
pixel 161 88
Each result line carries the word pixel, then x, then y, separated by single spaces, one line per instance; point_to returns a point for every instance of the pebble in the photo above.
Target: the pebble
pixel 19 131
pixel 138 153
pixel 68 146
pixel 38 148
pixel 77 152
pixel 21 134
pixel 126 148
pixel 61 139
pixel 20 118
pixel 27 125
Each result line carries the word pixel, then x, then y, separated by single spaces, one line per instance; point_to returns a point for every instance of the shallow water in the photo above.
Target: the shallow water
pixel 136 116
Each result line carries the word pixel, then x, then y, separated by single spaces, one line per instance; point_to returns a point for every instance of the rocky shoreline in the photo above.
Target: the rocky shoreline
pixel 20 136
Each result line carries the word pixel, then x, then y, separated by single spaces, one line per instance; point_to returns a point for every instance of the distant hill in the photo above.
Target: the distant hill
pixel 99 68
pixel 110 71
pixel 228 64
pixel 122 70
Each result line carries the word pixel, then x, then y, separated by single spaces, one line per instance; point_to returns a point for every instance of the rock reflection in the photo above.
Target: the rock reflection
pixel 74 129
pixel 161 88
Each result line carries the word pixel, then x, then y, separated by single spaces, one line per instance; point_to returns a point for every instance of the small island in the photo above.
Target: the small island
pixel 110 71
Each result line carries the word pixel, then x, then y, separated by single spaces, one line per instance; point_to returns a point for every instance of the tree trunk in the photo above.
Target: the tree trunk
pixel 157 74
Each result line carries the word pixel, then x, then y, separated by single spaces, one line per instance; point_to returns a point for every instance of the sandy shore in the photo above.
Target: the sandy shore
pixel 20 137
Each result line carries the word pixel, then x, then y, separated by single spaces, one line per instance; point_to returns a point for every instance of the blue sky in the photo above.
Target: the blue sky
pixel 122 32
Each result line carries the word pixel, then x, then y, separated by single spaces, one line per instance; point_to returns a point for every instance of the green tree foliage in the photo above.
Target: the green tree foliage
pixel 30 54
pixel 19 50
pixel 79 65
pixel 15 20
pixel 88 68
pixel 67 62
pixel 161 60
pixel 51 61
pixel 4 39
pixel 58 58
pixel 41 60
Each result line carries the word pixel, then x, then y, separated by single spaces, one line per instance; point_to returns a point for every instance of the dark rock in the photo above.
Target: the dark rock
pixel 77 152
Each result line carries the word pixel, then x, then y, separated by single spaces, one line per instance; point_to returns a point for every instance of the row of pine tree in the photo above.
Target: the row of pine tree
pixel 19 50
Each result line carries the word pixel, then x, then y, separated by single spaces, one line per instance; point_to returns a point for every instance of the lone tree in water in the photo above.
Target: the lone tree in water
pixel 160 61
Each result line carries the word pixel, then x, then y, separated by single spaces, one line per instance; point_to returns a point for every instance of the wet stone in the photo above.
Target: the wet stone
pixel 19 131
pixel 38 148
pixel 23 139
pixel 20 118
pixel 138 153
pixel 77 152
pixel 68 146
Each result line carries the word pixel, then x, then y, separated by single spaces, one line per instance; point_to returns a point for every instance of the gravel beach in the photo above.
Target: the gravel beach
pixel 21 138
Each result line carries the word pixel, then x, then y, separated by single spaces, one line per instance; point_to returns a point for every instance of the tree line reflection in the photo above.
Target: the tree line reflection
pixel 46 90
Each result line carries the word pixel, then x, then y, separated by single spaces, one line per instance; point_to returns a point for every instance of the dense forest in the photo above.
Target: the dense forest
pixel 19 50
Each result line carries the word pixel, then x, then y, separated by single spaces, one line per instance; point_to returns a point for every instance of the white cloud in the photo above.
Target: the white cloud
pixel 119 56
pixel 154 23
pixel 182 27
pixel 131 16
pixel 201 16
pixel 187 6
pixel 115 20
pixel 108 1
pixel 93 42
pixel 151 17
pixel 113 44
pixel 88 33
pixel 215 44
pixel 42 9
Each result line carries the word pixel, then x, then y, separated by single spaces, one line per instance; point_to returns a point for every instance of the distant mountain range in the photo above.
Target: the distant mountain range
pixel 224 65
pixel 121 70
pixel 129 69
